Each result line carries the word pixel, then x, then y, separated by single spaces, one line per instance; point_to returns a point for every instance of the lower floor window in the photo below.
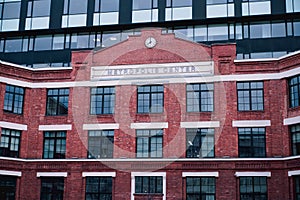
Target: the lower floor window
pixel 148 184
pixel 252 188
pixel 200 188
pixel 98 188
pixel 7 187
pixel 52 188
pixel 297 187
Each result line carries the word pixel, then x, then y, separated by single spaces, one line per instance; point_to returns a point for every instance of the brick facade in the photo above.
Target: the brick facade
pixel 274 74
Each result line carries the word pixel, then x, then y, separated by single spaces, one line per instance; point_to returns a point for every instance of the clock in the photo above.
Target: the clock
pixel 150 42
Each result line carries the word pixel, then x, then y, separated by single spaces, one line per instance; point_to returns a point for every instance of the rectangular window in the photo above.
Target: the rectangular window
pixel 252 188
pixel 150 99
pixel 294 91
pixel 101 144
pixel 75 13
pixel 54 144
pixel 260 30
pixel 219 8
pixel 200 97
pixel 252 142
pixel 102 100
pixel 200 188
pixel 14 99
pixel 52 188
pixel 57 101
pixel 106 12
pixel 38 14
pixel 148 184
pixel 8 187
pixel 149 143
pixel 10 143
pixel 200 143
pixel 10 15
pixel 178 10
pixel 292 6
pixel 295 135
pixel 218 32
pixel 144 11
pixel 250 96
pixel 98 188
pixel 256 7
pixel 297 187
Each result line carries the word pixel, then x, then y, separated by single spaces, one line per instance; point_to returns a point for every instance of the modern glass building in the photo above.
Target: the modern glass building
pixel 43 33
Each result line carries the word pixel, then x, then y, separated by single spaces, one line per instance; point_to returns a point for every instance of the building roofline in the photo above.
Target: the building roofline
pixel 268 59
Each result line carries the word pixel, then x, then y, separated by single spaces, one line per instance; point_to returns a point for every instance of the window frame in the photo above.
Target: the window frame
pixel 250 90
pixel 55 182
pixel 14 97
pixel 149 136
pixel 7 151
pixel 296 182
pixel 58 111
pixel 200 193
pixel 293 104
pixel 251 149
pixel 294 144
pixel 56 154
pixel 148 180
pixel 200 92
pixel 99 193
pixel 105 138
pixel 8 185
pixel 253 193
pixel 150 93
pixel 103 94
pixel 200 132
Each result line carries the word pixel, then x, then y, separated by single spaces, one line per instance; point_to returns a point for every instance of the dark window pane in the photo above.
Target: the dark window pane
pixel 57 101
pixel 252 142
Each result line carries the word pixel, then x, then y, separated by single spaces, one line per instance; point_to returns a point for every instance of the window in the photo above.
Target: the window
pixel 149 143
pixel 150 99
pixel 52 188
pixel 144 11
pixel 178 10
pixel 38 14
pixel 14 98
pixel 102 100
pixel 101 144
pixel 83 40
pixel 200 97
pixel 75 13
pixel 10 15
pixel 217 32
pixel 252 188
pixel 250 96
pixel 106 12
pixel 297 187
pixel 294 91
pixel 256 7
pixel 219 8
pixel 98 188
pixel 292 6
pixel 54 144
pixel 43 43
pixel 295 135
pixel 148 184
pixel 200 188
pixel 260 30
pixel 200 143
pixel 10 143
pixel 252 142
pixel 8 187
pixel 57 101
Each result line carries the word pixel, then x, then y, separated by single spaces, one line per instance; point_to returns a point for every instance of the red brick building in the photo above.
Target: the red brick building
pixel 153 117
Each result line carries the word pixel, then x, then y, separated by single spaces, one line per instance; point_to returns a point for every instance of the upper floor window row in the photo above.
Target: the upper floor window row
pixel 256 7
pixel 10 15
pixel 64 41
pixel 38 14
pixel 178 10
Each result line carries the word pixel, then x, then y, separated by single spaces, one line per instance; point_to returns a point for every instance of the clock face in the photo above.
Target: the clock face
pixel 150 42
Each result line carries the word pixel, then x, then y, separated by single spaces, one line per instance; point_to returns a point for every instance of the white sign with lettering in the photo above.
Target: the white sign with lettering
pixel 152 71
